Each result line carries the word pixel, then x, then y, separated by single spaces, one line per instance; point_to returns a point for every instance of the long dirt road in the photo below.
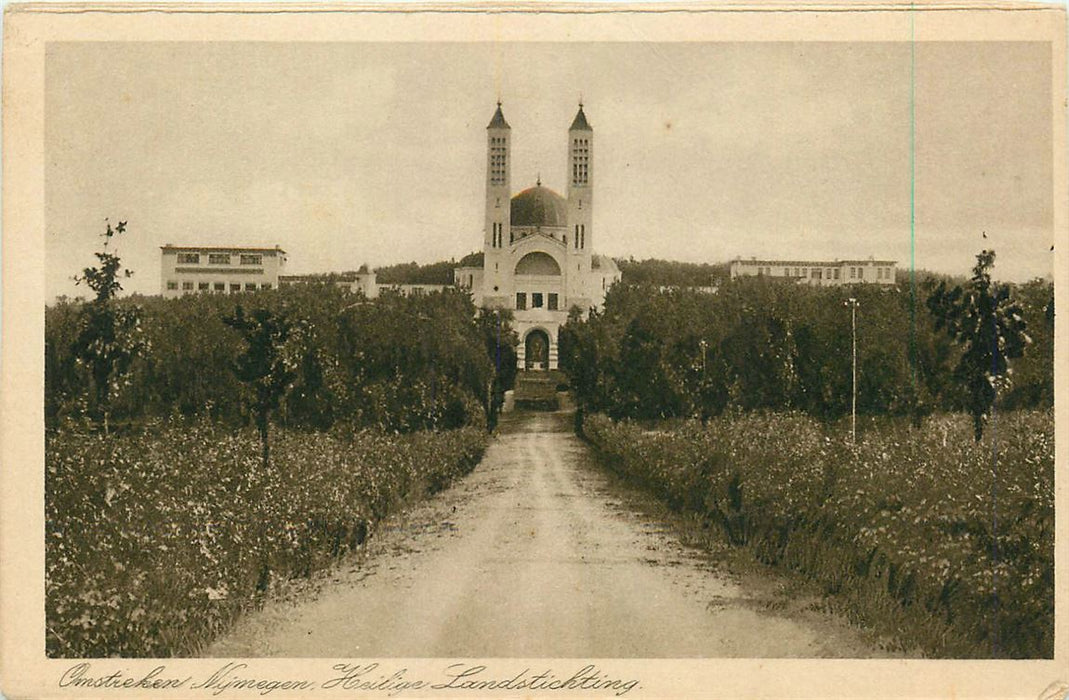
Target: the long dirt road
pixel 537 553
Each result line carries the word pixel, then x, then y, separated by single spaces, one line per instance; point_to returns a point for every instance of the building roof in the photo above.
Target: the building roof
pixel 580 123
pixel 603 262
pixel 539 206
pixel 473 260
pixel 812 263
pixel 212 248
pixel 498 121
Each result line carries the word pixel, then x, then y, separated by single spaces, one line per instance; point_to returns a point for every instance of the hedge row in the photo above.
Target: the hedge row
pixel 945 542
pixel 157 539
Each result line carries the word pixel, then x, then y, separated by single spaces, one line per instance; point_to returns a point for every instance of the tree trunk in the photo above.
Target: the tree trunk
pixel 261 424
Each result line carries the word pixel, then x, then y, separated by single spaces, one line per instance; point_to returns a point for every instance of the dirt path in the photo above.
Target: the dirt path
pixel 534 554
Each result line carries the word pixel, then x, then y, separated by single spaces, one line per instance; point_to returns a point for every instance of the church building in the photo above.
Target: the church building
pixel 538 257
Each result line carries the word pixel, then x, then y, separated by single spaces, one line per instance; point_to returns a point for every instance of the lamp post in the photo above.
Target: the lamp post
pixel 702 387
pixel 852 303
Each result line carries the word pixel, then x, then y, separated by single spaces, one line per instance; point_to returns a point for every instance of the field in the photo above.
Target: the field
pixel 940 541
pixel 158 538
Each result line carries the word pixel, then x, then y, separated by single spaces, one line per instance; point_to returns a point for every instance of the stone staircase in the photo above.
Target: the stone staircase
pixel 537 391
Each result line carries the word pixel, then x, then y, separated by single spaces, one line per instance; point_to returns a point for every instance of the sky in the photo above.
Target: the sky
pixel 351 153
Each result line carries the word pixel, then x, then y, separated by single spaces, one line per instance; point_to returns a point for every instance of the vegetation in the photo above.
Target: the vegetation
pixel 670 273
pixel 264 366
pixel 924 534
pixel 413 273
pixel 108 335
pixel 158 538
pixel 160 530
pixel 768 344
pixel 395 363
pixel 988 324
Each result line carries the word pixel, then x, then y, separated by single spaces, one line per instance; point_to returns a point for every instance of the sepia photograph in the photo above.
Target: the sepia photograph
pixel 590 349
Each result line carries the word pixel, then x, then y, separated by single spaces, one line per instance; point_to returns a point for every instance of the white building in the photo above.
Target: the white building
pixel 818 272
pixel 225 270
pixel 538 257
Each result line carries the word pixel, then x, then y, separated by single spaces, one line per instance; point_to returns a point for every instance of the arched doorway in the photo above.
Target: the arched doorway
pixel 536 350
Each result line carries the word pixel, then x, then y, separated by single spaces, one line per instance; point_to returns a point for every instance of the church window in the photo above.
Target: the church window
pixel 521 301
pixel 580 162
pixel 536 300
pixel 497 162
pixel 552 302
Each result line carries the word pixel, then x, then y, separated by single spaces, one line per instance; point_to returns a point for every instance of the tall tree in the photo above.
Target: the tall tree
pixel 264 367
pixel 988 324
pixel 110 335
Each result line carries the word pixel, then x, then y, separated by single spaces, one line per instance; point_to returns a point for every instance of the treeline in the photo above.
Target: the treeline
pixel 765 344
pixel 440 272
pixel 658 273
pixel 395 363
pixel 670 273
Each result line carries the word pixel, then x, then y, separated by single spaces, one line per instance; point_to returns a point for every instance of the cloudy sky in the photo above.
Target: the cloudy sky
pixel 366 152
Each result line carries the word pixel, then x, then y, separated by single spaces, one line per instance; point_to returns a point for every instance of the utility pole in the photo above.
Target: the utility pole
pixel 852 303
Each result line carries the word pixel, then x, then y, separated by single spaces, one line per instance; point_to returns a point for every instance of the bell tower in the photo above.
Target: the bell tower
pixel 496 233
pixel 580 208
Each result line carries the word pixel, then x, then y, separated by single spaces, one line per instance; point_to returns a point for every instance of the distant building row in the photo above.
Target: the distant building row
pixel 818 272
pixel 199 269
pixel 190 269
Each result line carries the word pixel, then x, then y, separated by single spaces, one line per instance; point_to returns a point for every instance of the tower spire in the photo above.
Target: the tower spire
pixel 580 123
pixel 498 121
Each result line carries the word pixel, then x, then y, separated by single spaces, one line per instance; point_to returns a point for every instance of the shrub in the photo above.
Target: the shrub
pixel 157 538
pixel 955 537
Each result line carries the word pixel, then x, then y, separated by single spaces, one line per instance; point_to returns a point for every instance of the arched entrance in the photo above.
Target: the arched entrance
pixel 536 350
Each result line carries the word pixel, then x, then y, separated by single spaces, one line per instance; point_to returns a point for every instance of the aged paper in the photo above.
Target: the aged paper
pixel 428 66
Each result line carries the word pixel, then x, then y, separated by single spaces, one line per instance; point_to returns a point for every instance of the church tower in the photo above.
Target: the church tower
pixel 580 208
pixel 496 235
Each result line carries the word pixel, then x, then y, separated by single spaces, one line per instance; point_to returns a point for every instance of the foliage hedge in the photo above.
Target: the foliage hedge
pixel 768 344
pixel 395 362
pixel 157 538
pixel 948 542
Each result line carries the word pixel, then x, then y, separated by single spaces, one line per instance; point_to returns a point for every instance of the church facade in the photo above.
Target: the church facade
pixel 537 254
